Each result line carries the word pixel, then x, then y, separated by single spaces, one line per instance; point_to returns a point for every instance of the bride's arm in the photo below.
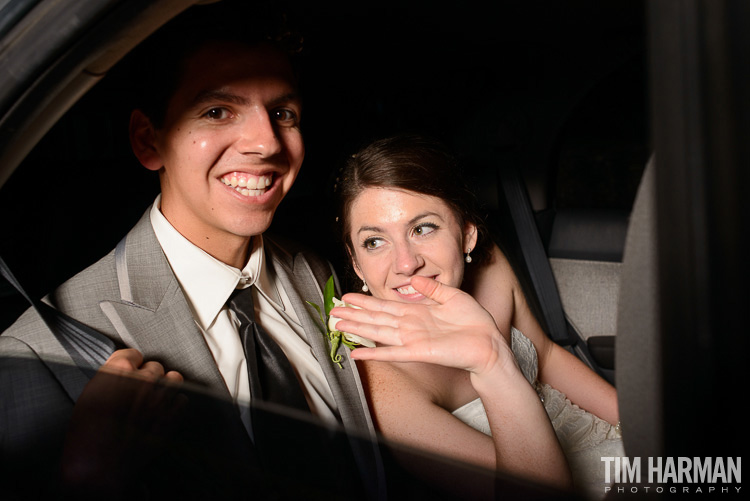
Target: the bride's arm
pixel 457 332
pixel 408 405
pixel 557 367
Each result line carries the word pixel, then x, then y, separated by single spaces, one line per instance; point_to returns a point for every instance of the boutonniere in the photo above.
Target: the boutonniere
pixel 335 337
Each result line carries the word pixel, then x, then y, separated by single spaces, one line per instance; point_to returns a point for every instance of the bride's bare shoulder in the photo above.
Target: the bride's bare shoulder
pixel 396 383
pixel 494 285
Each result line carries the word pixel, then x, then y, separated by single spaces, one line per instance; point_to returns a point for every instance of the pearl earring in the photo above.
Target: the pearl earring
pixel 365 288
pixel 468 255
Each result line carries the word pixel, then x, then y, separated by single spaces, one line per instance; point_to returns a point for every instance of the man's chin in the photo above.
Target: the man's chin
pixel 252 229
pixel 248 225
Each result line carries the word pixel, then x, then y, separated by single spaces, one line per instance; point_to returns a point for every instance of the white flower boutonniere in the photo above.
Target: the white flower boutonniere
pixel 352 338
pixel 336 337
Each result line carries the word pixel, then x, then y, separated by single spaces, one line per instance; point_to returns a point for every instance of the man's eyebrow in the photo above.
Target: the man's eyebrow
pixel 290 96
pixel 411 221
pixel 206 96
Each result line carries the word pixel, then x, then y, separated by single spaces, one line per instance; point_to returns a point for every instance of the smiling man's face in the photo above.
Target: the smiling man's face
pixel 230 146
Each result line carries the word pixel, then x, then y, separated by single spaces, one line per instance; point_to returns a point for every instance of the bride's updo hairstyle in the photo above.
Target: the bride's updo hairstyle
pixel 411 163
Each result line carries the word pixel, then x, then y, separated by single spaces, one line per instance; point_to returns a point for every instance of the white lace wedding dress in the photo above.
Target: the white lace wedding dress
pixel 584 438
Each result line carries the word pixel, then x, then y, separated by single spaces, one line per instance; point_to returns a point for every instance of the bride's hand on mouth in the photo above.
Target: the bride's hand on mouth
pixel 456 331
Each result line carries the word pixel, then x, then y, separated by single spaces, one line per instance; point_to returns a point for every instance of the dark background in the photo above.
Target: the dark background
pixel 555 87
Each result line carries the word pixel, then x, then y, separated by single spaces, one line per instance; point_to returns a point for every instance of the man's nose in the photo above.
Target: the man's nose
pixel 258 135
pixel 407 260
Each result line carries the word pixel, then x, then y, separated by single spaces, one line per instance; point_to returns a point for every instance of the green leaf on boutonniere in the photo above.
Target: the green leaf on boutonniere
pixel 328 293
pixel 335 337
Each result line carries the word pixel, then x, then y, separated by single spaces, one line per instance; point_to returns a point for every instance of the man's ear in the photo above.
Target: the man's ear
pixel 470 236
pixel 143 139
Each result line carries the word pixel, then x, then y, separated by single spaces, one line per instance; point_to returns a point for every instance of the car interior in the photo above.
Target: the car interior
pixel 481 89
pixel 555 110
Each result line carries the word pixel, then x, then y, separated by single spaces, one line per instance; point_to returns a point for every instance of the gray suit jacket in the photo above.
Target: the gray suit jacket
pixel 132 296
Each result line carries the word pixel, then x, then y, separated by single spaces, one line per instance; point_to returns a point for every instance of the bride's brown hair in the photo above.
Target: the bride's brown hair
pixel 413 163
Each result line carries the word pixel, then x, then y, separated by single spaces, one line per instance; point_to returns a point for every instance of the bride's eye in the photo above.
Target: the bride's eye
pixel 424 229
pixel 372 243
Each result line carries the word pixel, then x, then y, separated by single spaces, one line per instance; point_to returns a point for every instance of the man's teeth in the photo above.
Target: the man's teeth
pixel 248 185
pixel 407 290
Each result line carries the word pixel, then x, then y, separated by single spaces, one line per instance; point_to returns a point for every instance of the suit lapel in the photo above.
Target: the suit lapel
pixel 152 314
pixel 302 284
pixel 296 276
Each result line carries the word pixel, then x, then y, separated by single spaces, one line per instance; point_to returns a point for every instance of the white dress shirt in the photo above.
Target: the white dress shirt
pixel 208 283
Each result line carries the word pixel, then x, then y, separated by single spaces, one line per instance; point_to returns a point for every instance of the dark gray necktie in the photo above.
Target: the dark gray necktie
pixel 272 378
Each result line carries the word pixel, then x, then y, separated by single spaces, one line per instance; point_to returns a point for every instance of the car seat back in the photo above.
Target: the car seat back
pixel 638 355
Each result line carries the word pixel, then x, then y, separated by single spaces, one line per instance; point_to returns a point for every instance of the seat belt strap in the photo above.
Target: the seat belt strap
pixel 540 271
pixel 88 348
pixel 534 255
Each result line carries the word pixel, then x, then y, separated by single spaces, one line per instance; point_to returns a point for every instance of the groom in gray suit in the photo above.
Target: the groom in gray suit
pixel 225 141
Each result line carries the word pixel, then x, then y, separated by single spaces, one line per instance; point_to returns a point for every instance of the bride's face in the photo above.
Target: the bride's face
pixel 400 234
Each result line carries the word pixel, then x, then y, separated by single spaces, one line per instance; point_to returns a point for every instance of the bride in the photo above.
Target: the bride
pixel 462 367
